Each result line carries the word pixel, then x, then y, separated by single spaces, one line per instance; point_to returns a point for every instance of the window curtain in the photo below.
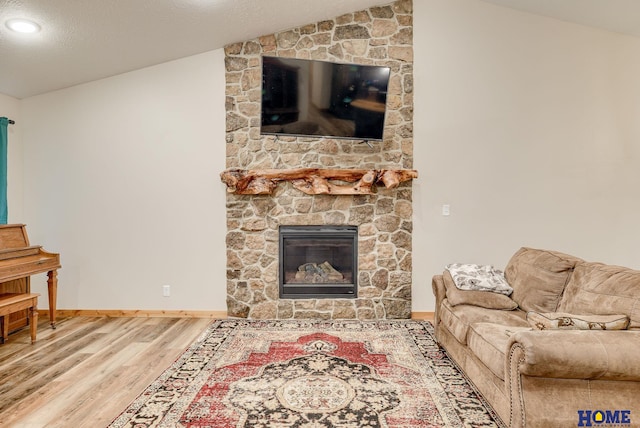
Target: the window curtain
pixel 4 123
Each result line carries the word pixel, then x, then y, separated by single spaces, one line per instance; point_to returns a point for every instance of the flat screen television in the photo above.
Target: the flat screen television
pixel 303 97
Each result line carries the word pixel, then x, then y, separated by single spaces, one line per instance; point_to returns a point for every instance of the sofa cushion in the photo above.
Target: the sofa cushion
pixel 484 299
pixel 457 319
pixel 600 289
pixel 565 321
pixel 538 278
pixel 489 343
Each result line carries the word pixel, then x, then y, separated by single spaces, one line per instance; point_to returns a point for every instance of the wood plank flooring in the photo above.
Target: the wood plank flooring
pixel 85 372
pixel 88 370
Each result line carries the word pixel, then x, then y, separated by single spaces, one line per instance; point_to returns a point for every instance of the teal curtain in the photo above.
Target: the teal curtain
pixel 4 122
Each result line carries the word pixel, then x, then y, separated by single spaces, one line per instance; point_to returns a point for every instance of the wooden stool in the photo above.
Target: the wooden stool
pixel 14 302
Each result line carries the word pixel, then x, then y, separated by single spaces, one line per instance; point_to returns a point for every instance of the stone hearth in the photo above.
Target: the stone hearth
pixel 381 36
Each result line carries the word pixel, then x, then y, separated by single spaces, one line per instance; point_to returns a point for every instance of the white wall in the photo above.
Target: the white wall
pixel 10 108
pixel 122 179
pixel 525 125
pixel 528 127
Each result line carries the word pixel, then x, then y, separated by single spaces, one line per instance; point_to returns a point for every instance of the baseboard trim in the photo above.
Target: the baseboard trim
pixel 118 313
pixel 428 316
pixel 139 313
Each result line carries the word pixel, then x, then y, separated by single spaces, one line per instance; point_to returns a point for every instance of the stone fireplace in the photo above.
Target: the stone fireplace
pixel 381 36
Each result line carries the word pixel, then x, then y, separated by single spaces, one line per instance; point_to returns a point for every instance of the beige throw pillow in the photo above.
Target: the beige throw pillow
pixel 564 321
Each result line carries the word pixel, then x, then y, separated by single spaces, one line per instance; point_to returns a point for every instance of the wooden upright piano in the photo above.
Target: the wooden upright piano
pixel 18 261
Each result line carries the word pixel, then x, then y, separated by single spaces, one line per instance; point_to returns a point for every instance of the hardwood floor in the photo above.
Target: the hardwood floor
pixel 88 370
pixel 85 372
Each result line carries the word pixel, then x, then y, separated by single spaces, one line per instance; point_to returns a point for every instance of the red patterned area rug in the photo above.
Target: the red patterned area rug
pixel 311 374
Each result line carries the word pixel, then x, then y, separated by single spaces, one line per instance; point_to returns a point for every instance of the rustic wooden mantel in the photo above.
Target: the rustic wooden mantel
pixel 314 181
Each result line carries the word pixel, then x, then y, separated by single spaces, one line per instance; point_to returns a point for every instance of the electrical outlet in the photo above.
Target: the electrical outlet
pixel 446 210
pixel 166 290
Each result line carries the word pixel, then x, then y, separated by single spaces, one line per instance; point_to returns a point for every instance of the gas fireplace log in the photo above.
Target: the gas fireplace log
pixel 318 273
pixel 313 181
pixel 330 271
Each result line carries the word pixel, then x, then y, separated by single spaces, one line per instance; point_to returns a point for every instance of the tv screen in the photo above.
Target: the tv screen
pixel 323 99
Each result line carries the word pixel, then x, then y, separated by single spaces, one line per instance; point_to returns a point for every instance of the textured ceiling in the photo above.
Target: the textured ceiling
pixel 85 40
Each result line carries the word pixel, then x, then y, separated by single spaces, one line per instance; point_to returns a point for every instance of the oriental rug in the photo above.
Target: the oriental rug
pixel 311 374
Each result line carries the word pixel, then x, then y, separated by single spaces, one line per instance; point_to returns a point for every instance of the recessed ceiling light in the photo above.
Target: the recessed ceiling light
pixel 22 26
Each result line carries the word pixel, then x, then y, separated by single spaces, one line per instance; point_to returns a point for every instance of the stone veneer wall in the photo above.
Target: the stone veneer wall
pixel 379 36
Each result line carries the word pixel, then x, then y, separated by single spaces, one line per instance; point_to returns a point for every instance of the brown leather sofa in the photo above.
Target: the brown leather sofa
pixel 557 376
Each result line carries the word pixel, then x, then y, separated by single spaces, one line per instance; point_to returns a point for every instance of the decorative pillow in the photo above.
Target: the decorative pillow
pixel 565 321
pixel 484 299
pixel 479 278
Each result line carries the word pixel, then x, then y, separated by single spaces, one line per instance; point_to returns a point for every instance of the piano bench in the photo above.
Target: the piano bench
pixel 14 302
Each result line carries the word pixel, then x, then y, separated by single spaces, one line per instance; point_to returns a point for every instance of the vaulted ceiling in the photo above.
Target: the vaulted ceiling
pixel 81 41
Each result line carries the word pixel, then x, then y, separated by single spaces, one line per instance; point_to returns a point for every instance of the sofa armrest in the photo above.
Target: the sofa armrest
pixel 440 292
pixel 575 354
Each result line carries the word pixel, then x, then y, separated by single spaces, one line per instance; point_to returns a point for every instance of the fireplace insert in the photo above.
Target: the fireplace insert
pixel 318 262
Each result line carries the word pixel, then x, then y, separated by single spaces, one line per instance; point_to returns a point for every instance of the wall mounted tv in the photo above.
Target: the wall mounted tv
pixel 323 99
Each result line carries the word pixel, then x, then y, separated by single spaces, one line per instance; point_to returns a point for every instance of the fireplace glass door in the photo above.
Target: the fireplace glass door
pixel 318 262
